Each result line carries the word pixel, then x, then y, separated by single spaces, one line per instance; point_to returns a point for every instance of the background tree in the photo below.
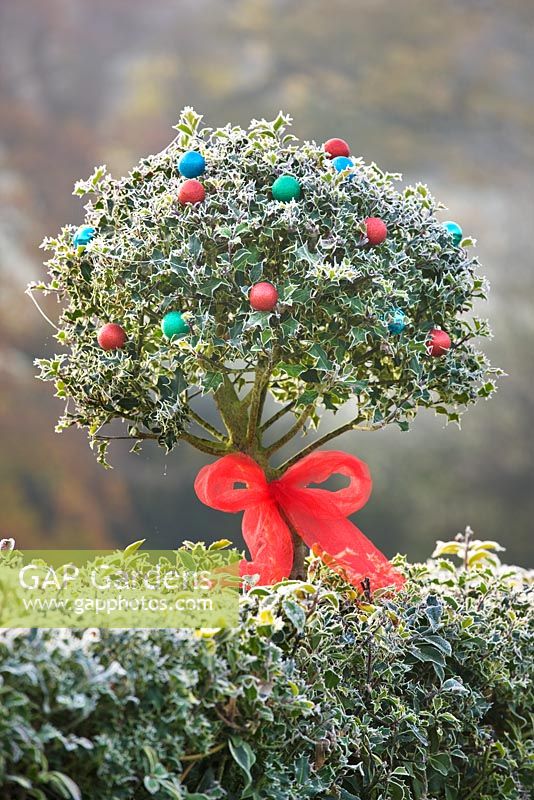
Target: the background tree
pixel 260 265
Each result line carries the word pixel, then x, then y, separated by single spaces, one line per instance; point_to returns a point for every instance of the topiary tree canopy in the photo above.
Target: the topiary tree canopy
pixel 244 264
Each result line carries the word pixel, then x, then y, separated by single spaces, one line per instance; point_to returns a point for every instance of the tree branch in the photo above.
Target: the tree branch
pixel 285 409
pixel 101 437
pixel 349 426
pixel 205 445
pixel 208 427
pixel 263 397
pixel 366 356
pixel 353 425
pixel 231 411
pixel 257 400
pixel 216 364
pixel 278 415
pixel 294 429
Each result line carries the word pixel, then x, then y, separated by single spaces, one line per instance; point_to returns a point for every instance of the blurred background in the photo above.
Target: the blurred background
pixel 442 91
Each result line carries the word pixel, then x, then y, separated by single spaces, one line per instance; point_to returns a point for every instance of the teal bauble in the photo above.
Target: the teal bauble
pixel 192 164
pixel 454 230
pixel 83 236
pixel 341 163
pixel 173 324
pixel 286 188
pixel 397 322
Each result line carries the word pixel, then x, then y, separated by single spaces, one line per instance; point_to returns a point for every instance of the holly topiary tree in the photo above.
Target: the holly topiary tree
pixel 243 264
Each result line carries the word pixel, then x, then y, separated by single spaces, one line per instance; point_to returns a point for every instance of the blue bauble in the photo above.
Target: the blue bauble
pixel 342 163
pixel 398 321
pixel 455 231
pixel 192 164
pixel 83 235
pixel 173 324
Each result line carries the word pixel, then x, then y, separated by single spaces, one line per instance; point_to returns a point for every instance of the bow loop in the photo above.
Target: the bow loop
pixel 215 484
pixel 318 468
pixel 265 533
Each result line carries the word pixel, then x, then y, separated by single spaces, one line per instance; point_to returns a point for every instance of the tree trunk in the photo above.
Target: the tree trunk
pixel 236 417
pixel 300 551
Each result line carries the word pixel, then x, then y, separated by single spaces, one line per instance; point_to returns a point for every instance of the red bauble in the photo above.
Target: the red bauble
pixel 336 147
pixel 376 230
pixel 439 342
pixel 191 191
pixel 111 337
pixel 263 296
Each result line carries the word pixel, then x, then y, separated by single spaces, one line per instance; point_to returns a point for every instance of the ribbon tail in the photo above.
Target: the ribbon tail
pixel 269 542
pixel 355 555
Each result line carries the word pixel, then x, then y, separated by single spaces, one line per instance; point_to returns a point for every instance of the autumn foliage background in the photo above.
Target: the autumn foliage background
pixel 445 96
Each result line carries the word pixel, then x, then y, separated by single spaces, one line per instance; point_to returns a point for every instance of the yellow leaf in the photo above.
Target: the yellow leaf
pixel 447 548
pixel 266 617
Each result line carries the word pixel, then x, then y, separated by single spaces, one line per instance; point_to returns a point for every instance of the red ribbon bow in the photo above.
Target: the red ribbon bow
pixel 319 515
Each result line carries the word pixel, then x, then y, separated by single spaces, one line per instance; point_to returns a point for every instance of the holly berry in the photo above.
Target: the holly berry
pixel 191 192
pixel 173 324
pixel 376 230
pixel 286 188
pixel 454 230
pixel 192 164
pixel 111 336
pixel 336 147
pixel 263 296
pixel 342 163
pixel 439 342
pixel 83 236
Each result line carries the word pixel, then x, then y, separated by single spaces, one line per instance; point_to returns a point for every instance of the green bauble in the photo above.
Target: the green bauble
pixel 173 324
pixel 286 188
pixel 454 230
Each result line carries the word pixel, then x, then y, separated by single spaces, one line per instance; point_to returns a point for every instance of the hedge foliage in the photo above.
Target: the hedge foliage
pixel 320 693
